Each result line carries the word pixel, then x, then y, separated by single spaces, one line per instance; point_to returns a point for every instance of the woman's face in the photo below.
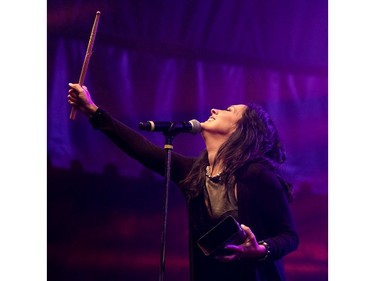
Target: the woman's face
pixel 224 121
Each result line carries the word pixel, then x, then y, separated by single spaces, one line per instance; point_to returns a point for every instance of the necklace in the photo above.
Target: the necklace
pixel 215 179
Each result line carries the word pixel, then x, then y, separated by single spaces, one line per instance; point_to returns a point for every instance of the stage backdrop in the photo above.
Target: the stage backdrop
pixel 175 60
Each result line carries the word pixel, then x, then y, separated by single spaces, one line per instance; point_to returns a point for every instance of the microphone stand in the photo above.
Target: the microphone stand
pixel 168 148
pixel 172 130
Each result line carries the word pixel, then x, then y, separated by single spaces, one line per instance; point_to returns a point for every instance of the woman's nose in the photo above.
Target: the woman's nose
pixel 214 111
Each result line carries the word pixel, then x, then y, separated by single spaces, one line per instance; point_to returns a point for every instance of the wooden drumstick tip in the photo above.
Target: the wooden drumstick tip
pixel 98 12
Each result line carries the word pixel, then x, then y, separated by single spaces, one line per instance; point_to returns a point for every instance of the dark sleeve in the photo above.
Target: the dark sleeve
pixel 138 147
pixel 267 210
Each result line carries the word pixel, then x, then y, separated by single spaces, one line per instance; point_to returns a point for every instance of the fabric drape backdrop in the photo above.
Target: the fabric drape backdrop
pixel 175 60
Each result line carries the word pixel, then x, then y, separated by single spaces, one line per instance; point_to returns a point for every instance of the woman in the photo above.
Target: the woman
pixel 235 175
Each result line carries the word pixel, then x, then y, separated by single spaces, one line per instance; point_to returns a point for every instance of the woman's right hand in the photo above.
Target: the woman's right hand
pixel 80 98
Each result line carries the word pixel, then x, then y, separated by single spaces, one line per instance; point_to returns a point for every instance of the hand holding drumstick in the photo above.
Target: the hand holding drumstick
pixel 87 59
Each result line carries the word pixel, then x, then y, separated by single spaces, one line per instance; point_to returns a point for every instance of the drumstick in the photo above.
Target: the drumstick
pixel 87 59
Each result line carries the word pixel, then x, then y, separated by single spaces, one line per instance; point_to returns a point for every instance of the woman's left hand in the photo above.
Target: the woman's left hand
pixel 248 249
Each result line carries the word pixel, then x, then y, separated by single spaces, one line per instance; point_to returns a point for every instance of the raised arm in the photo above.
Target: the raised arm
pixel 127 139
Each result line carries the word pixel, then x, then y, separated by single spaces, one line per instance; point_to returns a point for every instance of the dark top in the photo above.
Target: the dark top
pixel 262 206
pixel 220 201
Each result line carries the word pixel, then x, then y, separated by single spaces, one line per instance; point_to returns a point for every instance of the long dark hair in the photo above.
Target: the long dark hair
pixel 255 140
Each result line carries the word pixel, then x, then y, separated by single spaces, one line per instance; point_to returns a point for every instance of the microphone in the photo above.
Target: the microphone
pixel 193 126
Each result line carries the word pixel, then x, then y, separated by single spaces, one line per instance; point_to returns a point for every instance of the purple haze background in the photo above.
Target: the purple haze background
pixel 175 60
